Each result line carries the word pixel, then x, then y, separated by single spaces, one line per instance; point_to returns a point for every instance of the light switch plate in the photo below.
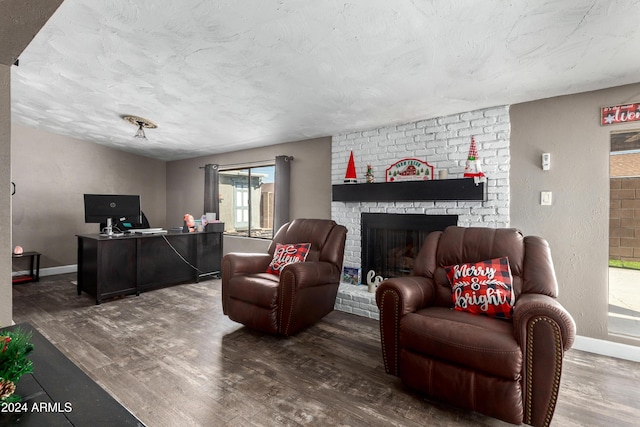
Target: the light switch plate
pixel 545 198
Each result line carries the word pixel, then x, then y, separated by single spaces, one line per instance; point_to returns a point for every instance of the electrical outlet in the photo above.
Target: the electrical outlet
pixel 545 198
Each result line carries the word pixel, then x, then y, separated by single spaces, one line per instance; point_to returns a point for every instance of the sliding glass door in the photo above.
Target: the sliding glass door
pixel 624 234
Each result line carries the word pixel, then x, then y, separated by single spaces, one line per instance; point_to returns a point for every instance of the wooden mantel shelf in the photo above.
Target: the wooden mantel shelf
pixel 442 189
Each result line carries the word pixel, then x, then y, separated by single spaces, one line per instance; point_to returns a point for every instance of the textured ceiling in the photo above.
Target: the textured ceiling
pixel 219 76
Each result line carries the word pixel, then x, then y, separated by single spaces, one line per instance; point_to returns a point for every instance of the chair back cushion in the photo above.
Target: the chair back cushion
pixel 326 238
pixel 529 258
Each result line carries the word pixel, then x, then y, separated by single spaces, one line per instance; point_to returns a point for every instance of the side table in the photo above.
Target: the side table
pixel 34 267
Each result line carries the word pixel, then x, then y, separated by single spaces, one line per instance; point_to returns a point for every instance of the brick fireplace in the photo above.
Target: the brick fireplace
pixel 444 143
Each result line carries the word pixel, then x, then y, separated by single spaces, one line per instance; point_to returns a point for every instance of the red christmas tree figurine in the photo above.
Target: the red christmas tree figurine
pixel 350 176
pixel 472 168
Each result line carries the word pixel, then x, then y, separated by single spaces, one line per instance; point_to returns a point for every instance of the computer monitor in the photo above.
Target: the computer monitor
pixel 111 208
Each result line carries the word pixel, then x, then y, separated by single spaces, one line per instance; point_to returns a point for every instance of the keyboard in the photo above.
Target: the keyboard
pixel 148 230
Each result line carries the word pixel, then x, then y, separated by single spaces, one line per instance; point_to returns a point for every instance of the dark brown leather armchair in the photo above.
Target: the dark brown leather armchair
pixel 302 294
pixel 507 369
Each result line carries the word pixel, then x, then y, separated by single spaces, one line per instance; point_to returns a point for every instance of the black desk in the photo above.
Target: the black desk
pixel 130 264
pixel 58 393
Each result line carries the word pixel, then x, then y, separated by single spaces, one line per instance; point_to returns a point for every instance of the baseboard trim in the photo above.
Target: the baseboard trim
pixel 50 271
pixel 607 348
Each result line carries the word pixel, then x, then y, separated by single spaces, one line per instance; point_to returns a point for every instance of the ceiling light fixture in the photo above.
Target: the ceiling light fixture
pixel 142 123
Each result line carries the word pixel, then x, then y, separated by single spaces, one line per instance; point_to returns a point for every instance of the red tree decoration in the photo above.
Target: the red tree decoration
pixel 350 176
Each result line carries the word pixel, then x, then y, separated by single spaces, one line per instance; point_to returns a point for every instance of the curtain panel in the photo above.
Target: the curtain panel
pixel 212 189
pixel 282 190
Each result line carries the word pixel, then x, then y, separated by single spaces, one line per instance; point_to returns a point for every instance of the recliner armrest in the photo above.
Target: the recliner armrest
pixel 413 292
pixel 530 307
pixel 312 273
pixel 306 292
pixel 545 330
pixel 239 263
pixel 396 297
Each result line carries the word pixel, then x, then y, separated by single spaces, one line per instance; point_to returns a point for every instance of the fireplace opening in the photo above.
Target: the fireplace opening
pixel 391 242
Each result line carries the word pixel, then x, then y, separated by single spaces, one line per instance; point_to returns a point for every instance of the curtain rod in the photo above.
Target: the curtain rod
pixel 254 163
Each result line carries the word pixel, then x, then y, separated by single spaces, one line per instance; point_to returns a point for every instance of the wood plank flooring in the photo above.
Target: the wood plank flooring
pixel 173 359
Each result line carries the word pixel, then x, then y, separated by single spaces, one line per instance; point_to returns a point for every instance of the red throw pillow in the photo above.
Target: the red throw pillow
pixel 483 288
pixel 287 254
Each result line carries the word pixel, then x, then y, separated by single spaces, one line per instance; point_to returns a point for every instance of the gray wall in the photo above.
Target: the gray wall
pixel 19 22
pixel 310 183
pixel 52 172
pixel 577 224
pixel 5 195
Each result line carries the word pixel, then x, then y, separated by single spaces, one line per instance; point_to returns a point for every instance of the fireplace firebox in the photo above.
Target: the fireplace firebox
pixel 390 242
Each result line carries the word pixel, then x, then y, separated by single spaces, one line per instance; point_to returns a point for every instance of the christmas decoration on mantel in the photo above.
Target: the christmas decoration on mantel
pixel 369 174
pixel 15 346
pixel 409 170
pixel 350 176
pixel 472 169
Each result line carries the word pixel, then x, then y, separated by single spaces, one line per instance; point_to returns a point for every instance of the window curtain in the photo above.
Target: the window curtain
pixel 282 187
pixel 212 189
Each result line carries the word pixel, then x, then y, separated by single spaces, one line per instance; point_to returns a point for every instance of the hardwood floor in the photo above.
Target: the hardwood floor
pixel 174 359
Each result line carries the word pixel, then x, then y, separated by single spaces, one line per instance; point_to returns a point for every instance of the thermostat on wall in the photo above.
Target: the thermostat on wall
pixel 546 161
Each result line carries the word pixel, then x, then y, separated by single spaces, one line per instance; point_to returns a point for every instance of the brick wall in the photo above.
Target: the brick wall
pixel 624 164
pixel 624 219
pixel 444 143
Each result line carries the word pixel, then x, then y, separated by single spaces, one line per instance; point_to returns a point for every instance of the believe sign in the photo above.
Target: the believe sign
pixel 620 114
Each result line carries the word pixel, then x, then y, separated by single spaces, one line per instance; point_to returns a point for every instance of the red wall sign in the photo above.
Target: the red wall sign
pixel 620 114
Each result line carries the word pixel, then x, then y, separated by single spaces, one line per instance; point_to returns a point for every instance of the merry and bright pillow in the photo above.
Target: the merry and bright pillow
pixel 483 288
pixel 286 254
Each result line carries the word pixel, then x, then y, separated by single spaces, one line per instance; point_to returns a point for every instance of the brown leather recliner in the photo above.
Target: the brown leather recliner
pixel 507 369
pixel 302 294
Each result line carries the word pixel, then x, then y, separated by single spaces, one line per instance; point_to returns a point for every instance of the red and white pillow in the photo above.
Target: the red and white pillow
pixel 286 254
pixel 483 288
